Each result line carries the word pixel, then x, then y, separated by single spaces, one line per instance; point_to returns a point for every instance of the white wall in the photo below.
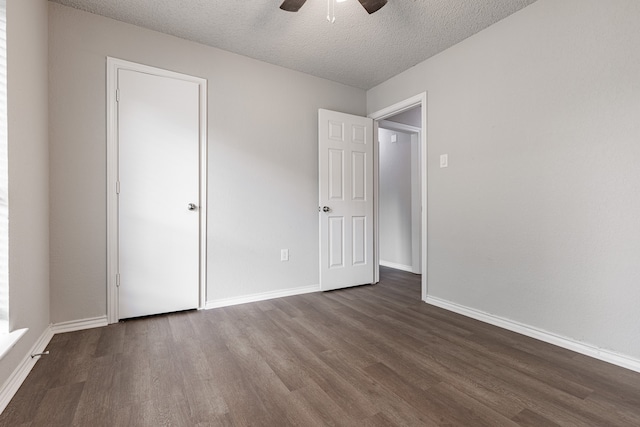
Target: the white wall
pixel 412 117
pixel 28 175
pixel 395 198
pixel 536 217
pixel 263 192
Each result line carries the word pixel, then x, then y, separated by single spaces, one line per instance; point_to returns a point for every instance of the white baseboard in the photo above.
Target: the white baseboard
pixel 13 383
pixel 225 302
pixel 618 359
pixel 79 325
pixel 396 266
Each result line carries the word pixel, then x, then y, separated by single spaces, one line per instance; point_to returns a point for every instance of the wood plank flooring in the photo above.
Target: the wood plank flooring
pixel 366 356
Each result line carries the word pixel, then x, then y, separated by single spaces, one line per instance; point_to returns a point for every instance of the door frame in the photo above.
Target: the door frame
pixel 392 110
pixel 113 66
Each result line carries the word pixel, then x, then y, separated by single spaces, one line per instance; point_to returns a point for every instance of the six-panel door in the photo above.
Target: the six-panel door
pixel 346 199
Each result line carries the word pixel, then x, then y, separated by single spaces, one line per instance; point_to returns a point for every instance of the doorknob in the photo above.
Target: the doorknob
pixel 192 207
pixel 326 209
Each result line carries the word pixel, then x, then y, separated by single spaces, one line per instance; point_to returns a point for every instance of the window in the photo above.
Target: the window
pixel 8 338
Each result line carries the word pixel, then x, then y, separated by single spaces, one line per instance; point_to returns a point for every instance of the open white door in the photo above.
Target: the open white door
pixel 346 200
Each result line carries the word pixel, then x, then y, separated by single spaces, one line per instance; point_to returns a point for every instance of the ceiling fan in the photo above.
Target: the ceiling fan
pixel 370 6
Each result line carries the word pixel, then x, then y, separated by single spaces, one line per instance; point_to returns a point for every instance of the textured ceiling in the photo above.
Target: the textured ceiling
pixel 359 50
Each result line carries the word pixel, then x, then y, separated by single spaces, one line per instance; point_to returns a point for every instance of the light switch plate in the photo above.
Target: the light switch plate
pixel 444 160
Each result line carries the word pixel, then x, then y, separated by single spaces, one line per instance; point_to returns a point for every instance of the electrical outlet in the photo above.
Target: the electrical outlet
pixel 284 254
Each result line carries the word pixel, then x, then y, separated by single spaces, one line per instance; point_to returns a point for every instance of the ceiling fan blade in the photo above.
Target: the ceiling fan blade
pixel 292 5
pixel 372 5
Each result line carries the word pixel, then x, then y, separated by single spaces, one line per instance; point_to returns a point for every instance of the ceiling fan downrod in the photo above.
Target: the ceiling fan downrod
pixel 331 11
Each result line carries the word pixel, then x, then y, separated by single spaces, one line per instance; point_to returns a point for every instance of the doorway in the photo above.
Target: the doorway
pixel 397 110
pixel 400 230
pixel 156 190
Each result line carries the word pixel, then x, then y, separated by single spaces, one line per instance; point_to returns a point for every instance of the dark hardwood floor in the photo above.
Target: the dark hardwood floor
pixel 366 356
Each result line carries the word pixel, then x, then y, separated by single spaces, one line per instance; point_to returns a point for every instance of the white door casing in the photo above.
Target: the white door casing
pixel 157 134
pixel 392 110
pixel 345 171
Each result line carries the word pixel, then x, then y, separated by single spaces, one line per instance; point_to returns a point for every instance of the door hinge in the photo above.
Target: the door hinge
pixel 118 280
pixel 117 187
pixel 117 95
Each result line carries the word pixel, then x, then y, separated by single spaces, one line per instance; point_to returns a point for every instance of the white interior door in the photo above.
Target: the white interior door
pixel 346 199
pixel 158 212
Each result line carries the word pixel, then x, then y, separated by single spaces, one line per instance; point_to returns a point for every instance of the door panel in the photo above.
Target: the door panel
pixel 336 242
pixel 336 174
pixel 359 177
pixel 359 240
pixel 158 161
pixel 346 188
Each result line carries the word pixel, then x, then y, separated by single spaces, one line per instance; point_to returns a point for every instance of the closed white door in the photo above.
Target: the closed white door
pixel 158 212
pixel 346 200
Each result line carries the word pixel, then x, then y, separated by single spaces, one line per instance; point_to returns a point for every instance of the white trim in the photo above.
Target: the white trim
pixel 204 173
pixel 401 107
pixel 402 267
pixel 400 127
pixel 530 331
pixel 9 339
pixel 15 380
pixel 225 302
pixel 113 65
pixel 397 108
pixel 112 198
pixel 376 202
pixel 79 325
pixel 416 203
